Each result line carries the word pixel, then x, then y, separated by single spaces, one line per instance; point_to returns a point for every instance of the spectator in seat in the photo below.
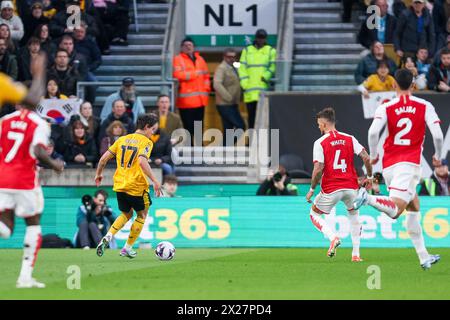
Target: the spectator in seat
pixel 14 22
pixel 381 81
pixel 437 56
pixel 228 94
pixel 52 153
pixel 91 122
pixel 48 8
pixel 66 76
pixel 81 148
pixel 5 34
pixel 161 155
pixel 8 62
pixel 383 33
pixel 47 45
pixel 114 131
pixel 128 94
pixel 76 59
pixel 420 80
pixel 58 24
pixel 52 91
pixel 415 30
pixel 27 55
pixel 168 120
pixel 277 184
pixel 438 184
pixel 88 48
pixel 368 65
pixel 32 20
pixel 119 113
pixel 439 76
pixel 194 85
pixel 422 61
pixel 170 186
pixel 115 16
pixel 256 69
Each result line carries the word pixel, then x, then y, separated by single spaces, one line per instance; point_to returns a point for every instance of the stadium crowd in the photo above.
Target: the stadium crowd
pixel 416 38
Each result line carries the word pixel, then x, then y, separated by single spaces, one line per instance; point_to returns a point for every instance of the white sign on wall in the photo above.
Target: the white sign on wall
pixel 230 22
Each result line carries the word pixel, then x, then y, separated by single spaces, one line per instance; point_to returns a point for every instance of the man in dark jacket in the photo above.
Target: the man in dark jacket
pixel 66 76
pixel 439 76
pixel 8 63
pixel 438 184
pixel 87 47
pixel 161 155
pixel 32 20
pixel 384 32
pixel 368 65
pixel 26 55
pixel 118 114
pixel 415 30
pixel 58 24
pixel 441 20
pixel 76 59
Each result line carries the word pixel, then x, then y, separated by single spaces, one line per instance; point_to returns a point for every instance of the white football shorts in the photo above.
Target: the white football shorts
pixel 402 180
pixel 25 203
pixel 327 201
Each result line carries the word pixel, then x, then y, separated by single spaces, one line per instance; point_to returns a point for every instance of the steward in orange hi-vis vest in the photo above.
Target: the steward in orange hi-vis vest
pixel 194 83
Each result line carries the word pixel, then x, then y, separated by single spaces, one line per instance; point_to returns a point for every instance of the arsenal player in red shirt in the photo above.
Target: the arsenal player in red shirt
pixel 405 118
pixel 333 157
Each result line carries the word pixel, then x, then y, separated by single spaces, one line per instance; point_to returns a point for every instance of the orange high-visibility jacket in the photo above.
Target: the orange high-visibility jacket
pixel 194 83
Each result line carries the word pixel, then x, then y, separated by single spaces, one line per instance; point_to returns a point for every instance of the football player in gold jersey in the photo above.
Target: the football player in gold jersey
pixel 130 181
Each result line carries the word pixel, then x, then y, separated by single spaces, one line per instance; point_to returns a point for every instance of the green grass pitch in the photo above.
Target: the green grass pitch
pixel 285 273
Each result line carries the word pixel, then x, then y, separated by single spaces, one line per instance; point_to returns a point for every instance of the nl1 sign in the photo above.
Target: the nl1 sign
pixel 230 22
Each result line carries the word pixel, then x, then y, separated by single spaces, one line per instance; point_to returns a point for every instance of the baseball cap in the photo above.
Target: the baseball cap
pixel 7 4
pixel 261 33
pixel 421 1
pixel 36 4
pixel 127 81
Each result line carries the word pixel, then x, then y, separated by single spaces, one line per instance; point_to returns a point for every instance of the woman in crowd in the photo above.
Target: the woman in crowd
pixel 114 131
pixel 52 91
pixel 80 149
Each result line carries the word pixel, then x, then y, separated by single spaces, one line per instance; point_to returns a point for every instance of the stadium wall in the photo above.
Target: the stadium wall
pixel 245 221
pixel 294 115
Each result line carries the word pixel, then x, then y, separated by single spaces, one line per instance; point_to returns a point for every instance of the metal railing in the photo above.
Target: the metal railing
pixel 167 87
pixel 135 10
pixel 285 45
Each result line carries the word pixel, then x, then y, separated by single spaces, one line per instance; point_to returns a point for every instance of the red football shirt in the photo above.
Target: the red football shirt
pixel 20 132
pixel 406 118
pixel 336 151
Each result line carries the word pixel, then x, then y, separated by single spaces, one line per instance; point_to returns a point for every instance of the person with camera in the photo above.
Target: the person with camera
pixel 93 219
pixel 277 184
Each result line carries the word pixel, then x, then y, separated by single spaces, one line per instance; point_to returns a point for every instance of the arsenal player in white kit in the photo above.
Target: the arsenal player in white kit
pixel 333 163
pixel 406 118
pixel 23 140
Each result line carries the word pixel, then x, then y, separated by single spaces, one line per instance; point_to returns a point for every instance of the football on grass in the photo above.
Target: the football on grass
pixel 165 250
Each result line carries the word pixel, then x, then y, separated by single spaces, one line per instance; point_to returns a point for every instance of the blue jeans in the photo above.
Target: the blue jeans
pixel 167 169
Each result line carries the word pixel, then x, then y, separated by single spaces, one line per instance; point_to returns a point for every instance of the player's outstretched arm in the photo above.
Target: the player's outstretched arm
pixel 143 162
pixel 315 180
pixel 366 159
pixel 38 70
pixel 374 137
pixel 438 141
pixel 101 165
pixel 43 157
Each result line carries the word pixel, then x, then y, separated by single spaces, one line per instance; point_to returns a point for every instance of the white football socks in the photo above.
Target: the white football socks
pixel 32 244
pixel 355 231
pixel 415 233
pixel 383 204
pixel 321 225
